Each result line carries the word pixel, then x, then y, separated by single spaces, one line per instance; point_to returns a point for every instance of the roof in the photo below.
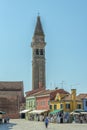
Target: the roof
pixel 40 92
pixel 60 91
pixel 8 86
pixel 44 92
pixel 82 95
pixel 38 28
pixel 30 93
pixel 69 97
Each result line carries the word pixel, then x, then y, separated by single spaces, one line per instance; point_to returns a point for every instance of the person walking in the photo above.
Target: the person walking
pixel 46 122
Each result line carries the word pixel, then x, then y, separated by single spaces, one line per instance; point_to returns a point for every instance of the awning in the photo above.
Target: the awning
pixel 37 111
pixel 56 111
pixel 74 113
pixel 2 112
pixel 24 111
pixel 84 112
pixel 78 110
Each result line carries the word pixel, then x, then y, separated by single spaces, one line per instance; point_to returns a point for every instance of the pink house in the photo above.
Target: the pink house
pixel 42 100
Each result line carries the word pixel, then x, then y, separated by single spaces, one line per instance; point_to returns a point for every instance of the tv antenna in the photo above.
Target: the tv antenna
pixel 74 85
pixel 62 84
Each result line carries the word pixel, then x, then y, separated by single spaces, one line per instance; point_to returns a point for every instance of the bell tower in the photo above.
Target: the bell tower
pixel 38 57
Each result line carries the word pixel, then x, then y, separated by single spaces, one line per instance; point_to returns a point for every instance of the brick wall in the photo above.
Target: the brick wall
pixel 11 98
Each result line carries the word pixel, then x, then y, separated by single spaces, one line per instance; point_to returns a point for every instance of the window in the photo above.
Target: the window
pixel 50 106
pixel 34 103
pixel 48 102
pixel 61 105
pixel 86 103
pixel 37 52
pixel 68 106
pixel 41 51
pixel 78 106
pixel 29 104
pixel 55 107
pixel 43 103
pixel 37 103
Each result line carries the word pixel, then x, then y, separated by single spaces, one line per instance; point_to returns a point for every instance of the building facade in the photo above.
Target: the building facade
pixel 67 102
pixel 85 103
pixel 11 98
pixel 83 97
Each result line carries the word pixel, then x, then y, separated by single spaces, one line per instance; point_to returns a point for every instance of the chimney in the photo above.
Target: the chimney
pixel 73 94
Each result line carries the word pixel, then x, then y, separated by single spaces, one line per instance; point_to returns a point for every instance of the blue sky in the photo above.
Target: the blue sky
pixel 65 27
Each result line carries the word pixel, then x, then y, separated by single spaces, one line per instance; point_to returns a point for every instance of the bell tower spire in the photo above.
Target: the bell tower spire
pixel 38 56
pixel 38 28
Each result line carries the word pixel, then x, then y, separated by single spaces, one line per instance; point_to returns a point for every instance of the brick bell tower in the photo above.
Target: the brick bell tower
pixel 38 57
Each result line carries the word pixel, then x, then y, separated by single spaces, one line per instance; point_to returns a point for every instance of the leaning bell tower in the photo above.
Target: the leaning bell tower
pixel 38 57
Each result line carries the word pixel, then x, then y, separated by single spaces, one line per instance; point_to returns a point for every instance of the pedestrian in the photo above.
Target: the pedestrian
pixel 8 119
pixel 46 122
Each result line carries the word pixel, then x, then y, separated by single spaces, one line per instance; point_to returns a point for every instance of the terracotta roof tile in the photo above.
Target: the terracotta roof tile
pixel 69 97
pixel 60 91
pixel 42 92
pixel 29 93
pixel 82 95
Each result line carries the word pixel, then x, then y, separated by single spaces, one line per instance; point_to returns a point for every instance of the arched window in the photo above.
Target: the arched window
pixel 37 52
pixel 41 51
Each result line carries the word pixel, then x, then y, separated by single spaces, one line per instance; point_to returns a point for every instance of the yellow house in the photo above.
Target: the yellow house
pixel 67 102
pixel 56 101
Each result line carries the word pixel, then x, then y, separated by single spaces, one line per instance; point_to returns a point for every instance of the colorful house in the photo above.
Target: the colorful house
pixel 56 98
pixel 67 102
pixel 37 102
pixel 31 100
pixel 85 103
pixel 83 97
pixel 44 99
pixel 30 103
pixel 40 99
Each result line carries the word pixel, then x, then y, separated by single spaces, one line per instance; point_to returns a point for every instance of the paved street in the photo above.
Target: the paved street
pixel 21 124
